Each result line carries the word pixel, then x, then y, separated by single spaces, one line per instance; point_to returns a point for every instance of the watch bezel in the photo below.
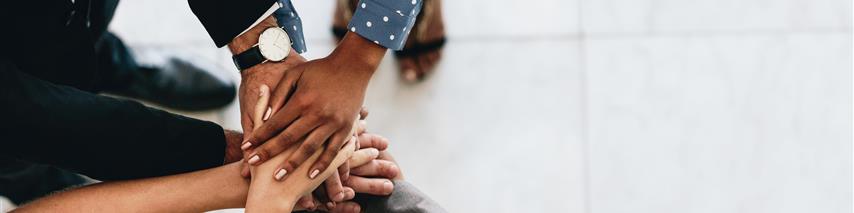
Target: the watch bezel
pixel 287 45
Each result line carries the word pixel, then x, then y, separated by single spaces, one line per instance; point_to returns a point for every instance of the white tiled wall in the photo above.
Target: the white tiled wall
pixel 604 105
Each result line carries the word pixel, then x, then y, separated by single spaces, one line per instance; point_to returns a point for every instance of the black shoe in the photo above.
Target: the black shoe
pixel 177 82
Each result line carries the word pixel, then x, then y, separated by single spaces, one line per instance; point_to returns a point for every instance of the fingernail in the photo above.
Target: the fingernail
pixel 267 114
pixel 410 75
pixel 387 186
pixel 245 146
pixel 313 205
pixel 330 205
pixel 373 152
pixel 263 90
pixel 281 173
pixel 254 159
pixel 314 173
pixel 340 196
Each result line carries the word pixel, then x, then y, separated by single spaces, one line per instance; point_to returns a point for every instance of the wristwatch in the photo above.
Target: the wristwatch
pixel 273 45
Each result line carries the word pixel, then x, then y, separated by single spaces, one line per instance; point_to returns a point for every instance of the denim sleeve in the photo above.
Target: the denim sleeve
pixel 385 22
pixel 289 20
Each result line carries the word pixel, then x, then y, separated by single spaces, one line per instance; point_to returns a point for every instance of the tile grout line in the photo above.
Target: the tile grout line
pixel 585 139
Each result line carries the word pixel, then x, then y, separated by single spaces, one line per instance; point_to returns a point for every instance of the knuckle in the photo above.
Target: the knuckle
pixel 286 137
pixel 292 163
pixel 321 165
pixel 303 104
pixel 325 117
pixel 390 169
pixel 263 152
pixel 310 148
pixel 338 122
pixel 376 188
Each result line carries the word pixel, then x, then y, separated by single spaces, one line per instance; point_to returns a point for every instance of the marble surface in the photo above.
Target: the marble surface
pixel 601 105
pixel 736 124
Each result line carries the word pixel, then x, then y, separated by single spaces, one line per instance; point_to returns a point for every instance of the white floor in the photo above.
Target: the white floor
pixel 603 106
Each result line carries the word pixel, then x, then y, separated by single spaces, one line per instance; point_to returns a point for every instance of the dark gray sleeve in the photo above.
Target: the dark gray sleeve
pixel 404 198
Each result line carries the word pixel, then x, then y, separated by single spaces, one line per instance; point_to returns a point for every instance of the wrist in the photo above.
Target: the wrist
pixel 232 146
pixel 263 199
pixel 250 38
pixel 355 51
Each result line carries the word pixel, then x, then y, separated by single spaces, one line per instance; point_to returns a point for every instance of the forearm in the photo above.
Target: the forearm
pixel 356 51
pixel 216 188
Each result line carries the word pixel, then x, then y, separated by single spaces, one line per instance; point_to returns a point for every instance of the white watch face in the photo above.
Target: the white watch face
pixel 274 44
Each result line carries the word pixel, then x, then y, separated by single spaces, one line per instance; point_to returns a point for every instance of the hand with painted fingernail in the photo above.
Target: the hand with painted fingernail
pixel 268 194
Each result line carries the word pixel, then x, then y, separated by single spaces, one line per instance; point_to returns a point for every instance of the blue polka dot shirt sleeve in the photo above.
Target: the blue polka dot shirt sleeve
pixel 289 20
pixel 385 22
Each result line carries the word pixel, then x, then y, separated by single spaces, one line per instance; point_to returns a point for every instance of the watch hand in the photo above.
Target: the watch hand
pixel 277 37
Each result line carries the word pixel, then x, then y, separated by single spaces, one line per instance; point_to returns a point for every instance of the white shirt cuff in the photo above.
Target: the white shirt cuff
pixel 269 12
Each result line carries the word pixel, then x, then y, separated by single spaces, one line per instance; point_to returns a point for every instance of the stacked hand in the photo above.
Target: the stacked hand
pixel 373 170
pixel 312 106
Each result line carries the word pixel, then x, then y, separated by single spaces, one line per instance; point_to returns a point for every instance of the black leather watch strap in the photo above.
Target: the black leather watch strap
pixel 248 58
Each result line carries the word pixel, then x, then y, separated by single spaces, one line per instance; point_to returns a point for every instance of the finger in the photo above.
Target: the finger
pixel 361 127
pixel 358 145
pixel 349 193
pixel 344 170
pixel 312 143
pixel 377 168
pixel 273 126
pixel 283 91
pixel 244 170
pixel 260 109
pixel 247 104
pixel 369 140
pixel 319 207
pixel 263 99
pixel 346 207
pixel 374 186
pixel 384 155
pixel 256 119
pixel 281 142
pixel 307 202
pixel 363 113
pixel 334 188
pixel 332 148
pixel 362 157
pixel 246 124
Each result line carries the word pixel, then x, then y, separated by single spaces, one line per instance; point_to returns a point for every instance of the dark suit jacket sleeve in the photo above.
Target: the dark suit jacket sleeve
pixel 101 137
pixel 225 19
